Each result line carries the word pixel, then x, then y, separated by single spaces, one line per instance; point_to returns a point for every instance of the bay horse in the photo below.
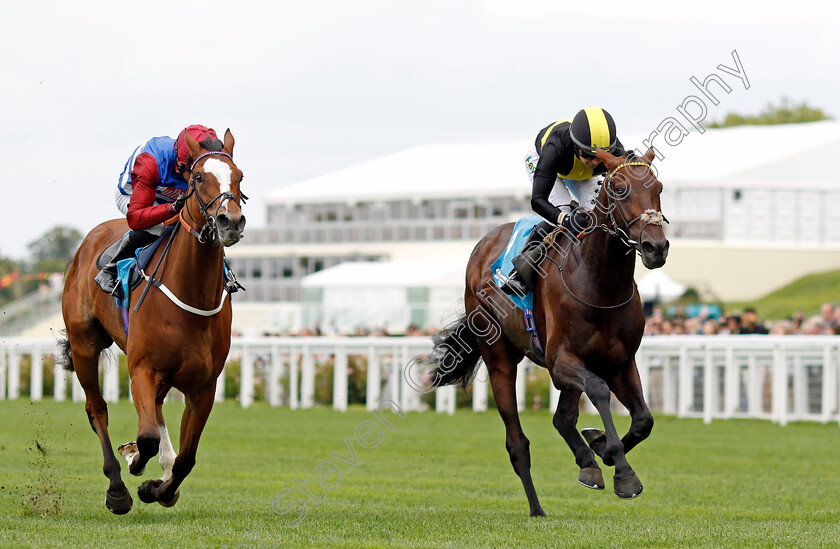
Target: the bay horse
pixel 588 314
pixel 166 345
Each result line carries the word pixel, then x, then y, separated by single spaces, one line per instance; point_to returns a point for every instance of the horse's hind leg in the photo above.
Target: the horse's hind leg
pixel 198 410
pixel 626 483
pixel 502 370
pixel 86 365
pixel 565 421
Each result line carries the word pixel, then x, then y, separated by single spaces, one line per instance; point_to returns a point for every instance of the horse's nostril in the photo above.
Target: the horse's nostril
pixel 223 221
pixel 648 248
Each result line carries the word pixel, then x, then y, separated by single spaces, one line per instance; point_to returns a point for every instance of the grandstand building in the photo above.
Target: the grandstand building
pixel 750 208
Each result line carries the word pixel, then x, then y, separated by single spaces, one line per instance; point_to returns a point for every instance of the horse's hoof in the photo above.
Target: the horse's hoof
pixel 591 477
pixel 147 491
pixel 130 452
pixel 627 487
pixel 119 504
pixel 172 501
pixel 538 512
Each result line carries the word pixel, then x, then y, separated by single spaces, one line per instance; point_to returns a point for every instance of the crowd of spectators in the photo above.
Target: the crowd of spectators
pixel 411 331
pixel 827 322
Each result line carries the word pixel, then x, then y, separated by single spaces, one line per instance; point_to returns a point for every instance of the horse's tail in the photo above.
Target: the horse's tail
pixel 65 356
pixel 456 353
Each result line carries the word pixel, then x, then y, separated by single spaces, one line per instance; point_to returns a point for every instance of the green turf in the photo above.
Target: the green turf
pixel 805 294
pixel 434 481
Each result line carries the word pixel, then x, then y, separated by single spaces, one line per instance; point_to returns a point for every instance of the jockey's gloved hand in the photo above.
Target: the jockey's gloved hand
pixel 178 205
pixel 576 221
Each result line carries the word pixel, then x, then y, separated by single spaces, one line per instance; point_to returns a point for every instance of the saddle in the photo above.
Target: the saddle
pixel 128 270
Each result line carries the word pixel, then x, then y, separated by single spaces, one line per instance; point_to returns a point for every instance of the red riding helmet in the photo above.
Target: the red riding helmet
pixel 205 136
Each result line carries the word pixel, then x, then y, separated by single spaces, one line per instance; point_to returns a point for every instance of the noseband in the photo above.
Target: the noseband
pixel 648 217
pixel 209 232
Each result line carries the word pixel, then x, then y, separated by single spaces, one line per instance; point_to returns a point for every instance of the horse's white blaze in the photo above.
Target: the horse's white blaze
pixel 222 172
pixel 166 452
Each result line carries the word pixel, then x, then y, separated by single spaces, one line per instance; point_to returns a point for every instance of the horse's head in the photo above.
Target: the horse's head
pixel 215 185
pixel 630 201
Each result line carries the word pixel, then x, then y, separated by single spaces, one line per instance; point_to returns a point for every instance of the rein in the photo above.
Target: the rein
pixel 157 283
pixel 208 233
pixel 648 217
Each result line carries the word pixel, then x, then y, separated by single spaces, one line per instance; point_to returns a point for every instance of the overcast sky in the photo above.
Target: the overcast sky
pixel 307 87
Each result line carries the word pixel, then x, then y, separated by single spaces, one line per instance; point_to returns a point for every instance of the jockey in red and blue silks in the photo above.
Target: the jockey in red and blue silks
pixel 155 176
pixel 152 189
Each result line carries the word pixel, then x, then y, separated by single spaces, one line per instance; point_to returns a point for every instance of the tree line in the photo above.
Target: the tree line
pixel 786 112
pixel 48 254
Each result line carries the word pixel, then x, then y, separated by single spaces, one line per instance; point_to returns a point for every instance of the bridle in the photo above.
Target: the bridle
pixel 208 232
pixel 647 217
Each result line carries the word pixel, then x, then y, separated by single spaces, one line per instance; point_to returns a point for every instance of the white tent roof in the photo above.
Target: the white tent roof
pixel 382 274
pixel 788 152
pixel 658 285
pixel 736 156
pixel 423 171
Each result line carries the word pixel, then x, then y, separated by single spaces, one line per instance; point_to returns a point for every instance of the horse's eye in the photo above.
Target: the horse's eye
pixel 197 177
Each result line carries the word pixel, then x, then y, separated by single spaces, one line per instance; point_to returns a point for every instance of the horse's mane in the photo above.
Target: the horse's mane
pixel 211 144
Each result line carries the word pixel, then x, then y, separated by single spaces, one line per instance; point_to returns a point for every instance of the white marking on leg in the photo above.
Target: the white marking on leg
pixel 128 450
pixel 222 172
pixel 166 452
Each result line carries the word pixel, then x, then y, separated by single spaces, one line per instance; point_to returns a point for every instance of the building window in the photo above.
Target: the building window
pixel 460 209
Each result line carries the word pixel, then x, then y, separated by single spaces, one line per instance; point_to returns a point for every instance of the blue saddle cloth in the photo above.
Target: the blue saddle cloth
pixel 128 269
pixel 504 264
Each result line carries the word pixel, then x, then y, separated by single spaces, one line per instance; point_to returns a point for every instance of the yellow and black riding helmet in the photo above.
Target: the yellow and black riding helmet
pixel 593 128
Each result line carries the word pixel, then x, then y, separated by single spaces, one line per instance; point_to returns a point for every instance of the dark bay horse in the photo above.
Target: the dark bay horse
pixel 167 345
pixel 588 316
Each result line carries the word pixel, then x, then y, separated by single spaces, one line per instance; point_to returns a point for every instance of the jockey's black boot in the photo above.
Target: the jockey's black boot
pixel 524 274
pixel 107 277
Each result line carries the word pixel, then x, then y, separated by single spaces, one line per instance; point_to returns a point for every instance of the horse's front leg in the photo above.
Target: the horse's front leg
pixel 167 455
pixel 627 387
pixel 565 421
pixel 165 490
pixel 144 393
pixel 626 483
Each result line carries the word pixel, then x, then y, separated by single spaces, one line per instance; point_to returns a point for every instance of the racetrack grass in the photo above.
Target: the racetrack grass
pixel 434 481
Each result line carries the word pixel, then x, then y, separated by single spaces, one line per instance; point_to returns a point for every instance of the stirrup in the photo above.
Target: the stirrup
pixel 232 285
pixel 514 285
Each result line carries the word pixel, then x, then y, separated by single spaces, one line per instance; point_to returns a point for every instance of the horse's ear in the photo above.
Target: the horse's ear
pixel 609 160
pixel 194 147
pixel 650 155
pixel 228 147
